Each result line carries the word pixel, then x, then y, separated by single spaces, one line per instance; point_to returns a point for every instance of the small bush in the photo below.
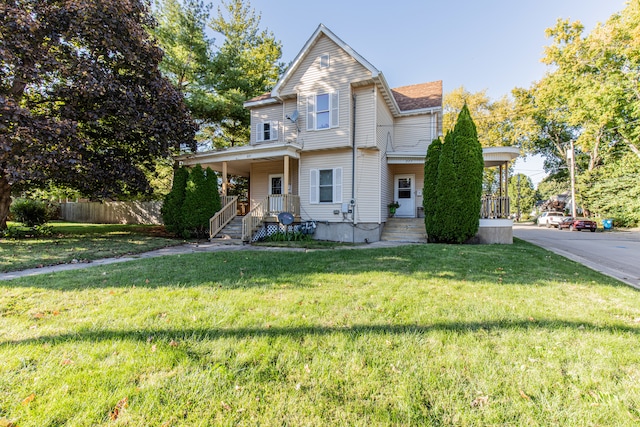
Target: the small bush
pixel 31 213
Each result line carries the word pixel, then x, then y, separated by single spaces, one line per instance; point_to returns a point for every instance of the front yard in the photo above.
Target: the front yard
pixel 433 335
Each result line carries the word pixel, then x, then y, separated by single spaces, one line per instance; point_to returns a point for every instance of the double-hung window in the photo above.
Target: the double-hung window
pixel 267 131
pixel 325 186
pixel 322 111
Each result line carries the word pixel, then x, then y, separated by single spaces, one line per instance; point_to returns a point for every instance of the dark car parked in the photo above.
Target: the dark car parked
pixel 577 224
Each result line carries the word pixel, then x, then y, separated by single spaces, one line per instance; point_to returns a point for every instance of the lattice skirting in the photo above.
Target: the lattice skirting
pixel 308 227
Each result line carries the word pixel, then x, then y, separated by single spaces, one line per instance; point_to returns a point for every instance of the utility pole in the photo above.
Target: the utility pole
pixel 571 155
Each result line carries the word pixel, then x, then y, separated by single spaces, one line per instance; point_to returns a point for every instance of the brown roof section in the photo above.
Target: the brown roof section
pixel 260 97
pixel 417 97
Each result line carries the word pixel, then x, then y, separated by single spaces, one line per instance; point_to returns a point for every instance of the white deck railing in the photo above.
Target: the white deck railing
pixel 269 208
pixel 494 207
pixel 228 211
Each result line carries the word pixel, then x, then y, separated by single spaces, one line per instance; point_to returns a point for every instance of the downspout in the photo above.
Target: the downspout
pixel 353 169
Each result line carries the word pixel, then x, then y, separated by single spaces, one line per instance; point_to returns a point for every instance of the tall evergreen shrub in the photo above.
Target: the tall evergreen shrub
pixel 201 202
pixel 429 199
pixel 458 189
pixel 172 207
pixel 446 194
pixel 469 166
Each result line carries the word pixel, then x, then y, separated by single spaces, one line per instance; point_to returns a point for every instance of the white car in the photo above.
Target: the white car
pixel 550 219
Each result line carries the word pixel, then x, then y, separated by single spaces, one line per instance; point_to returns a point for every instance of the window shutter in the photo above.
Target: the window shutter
pixel 334 109
pixel 274 131
pixel 314 187
pixel 337 185
pixel 259 132
pixel 311 112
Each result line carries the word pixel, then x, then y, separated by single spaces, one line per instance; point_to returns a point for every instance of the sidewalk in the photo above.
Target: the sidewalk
pixel 178 250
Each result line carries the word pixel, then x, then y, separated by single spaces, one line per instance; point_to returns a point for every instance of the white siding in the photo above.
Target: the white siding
pixel 265 114
pixel 414 133
pixel 324 160
pixel 386 140
pixel 310 79
pixel 259 182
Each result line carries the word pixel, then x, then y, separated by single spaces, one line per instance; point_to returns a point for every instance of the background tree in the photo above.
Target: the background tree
pixel 82 101
pixel 429 192
pixel 522 194
pixel 246 65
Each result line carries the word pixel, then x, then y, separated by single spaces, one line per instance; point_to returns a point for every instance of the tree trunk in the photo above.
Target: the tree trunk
pixel 5 201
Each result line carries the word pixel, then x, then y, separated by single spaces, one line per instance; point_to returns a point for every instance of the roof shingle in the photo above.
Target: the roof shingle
pixel 420 96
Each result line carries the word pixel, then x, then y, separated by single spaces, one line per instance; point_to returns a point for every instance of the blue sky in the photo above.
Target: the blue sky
pixel 479 44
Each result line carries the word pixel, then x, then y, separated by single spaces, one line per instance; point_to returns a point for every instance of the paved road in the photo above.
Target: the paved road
pixel 614 253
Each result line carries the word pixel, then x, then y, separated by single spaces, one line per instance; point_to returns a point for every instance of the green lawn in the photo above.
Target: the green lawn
pixel 81 242
pixel 426 335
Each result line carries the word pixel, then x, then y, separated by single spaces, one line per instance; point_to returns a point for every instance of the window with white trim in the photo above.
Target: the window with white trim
pixel 322 111
pixel 267 131
pixel 325 186
pixel 324 61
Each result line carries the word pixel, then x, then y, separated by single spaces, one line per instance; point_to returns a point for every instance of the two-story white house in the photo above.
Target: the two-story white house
pixel 334 144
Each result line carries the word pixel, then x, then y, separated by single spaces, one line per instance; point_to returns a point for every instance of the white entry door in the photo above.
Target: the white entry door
pixel 275 189
pixel 404 193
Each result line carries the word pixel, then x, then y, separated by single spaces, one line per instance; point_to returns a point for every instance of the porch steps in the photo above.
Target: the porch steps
pixel 231 234
pixel 404 230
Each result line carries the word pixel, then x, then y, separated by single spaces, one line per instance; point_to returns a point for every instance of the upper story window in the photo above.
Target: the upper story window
pixel 324 61
pixel 322 111
pixel 267 131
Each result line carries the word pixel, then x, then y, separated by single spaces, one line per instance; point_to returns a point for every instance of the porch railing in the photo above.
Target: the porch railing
pixel 494 207
pixel 269 208
pixel 228 211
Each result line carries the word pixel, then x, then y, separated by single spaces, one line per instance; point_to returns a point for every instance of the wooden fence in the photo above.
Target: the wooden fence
pixel 112 212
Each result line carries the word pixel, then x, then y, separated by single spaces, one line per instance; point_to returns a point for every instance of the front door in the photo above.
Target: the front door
pixel 275 189
pixel 404 193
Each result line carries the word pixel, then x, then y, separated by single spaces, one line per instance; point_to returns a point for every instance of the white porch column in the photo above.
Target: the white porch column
pixel 285 184
pixel 225 179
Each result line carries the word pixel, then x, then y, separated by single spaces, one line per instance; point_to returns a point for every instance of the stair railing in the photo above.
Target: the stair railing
pixel 224 216
pixel 271 206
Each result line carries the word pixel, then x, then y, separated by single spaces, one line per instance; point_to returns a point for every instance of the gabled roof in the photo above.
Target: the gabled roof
pixel 418 97
pixel 406 99
pixel 321 30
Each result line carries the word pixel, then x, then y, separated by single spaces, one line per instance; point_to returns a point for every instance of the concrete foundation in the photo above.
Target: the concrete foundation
pixel 348 232
pixel 495 231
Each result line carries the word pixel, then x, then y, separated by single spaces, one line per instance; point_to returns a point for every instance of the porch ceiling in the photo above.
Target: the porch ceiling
pixel 239 159
pixel 496 156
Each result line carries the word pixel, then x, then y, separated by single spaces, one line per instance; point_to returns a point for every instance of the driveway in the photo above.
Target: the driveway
pixel 614 253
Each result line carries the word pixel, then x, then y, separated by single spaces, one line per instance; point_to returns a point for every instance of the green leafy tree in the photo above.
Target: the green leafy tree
pixel 522 194
pixel 246 65
pixel 201 202
pixel 429 193
pixel 83 104
pixel 173 202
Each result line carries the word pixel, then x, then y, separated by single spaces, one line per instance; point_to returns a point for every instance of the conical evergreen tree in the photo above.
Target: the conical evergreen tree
pixel 172 207
pixel 446 195
pixel 469 166
pixel 201 202
pixel 430 200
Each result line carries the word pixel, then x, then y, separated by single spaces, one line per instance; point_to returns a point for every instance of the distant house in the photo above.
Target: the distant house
pixel 333 144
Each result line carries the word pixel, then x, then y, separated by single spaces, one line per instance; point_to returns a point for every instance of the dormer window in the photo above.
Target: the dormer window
pixel 322 111
pixel 267 131
pixel 324 61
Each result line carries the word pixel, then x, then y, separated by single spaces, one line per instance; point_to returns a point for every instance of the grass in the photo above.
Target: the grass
pixel 429 335
pixel 81 242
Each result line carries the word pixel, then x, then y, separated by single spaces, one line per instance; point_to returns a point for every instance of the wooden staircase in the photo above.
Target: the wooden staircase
pixel 231 234
pixel 404 230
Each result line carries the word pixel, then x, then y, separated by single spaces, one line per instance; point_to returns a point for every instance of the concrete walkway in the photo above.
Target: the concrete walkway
pixel 177 250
